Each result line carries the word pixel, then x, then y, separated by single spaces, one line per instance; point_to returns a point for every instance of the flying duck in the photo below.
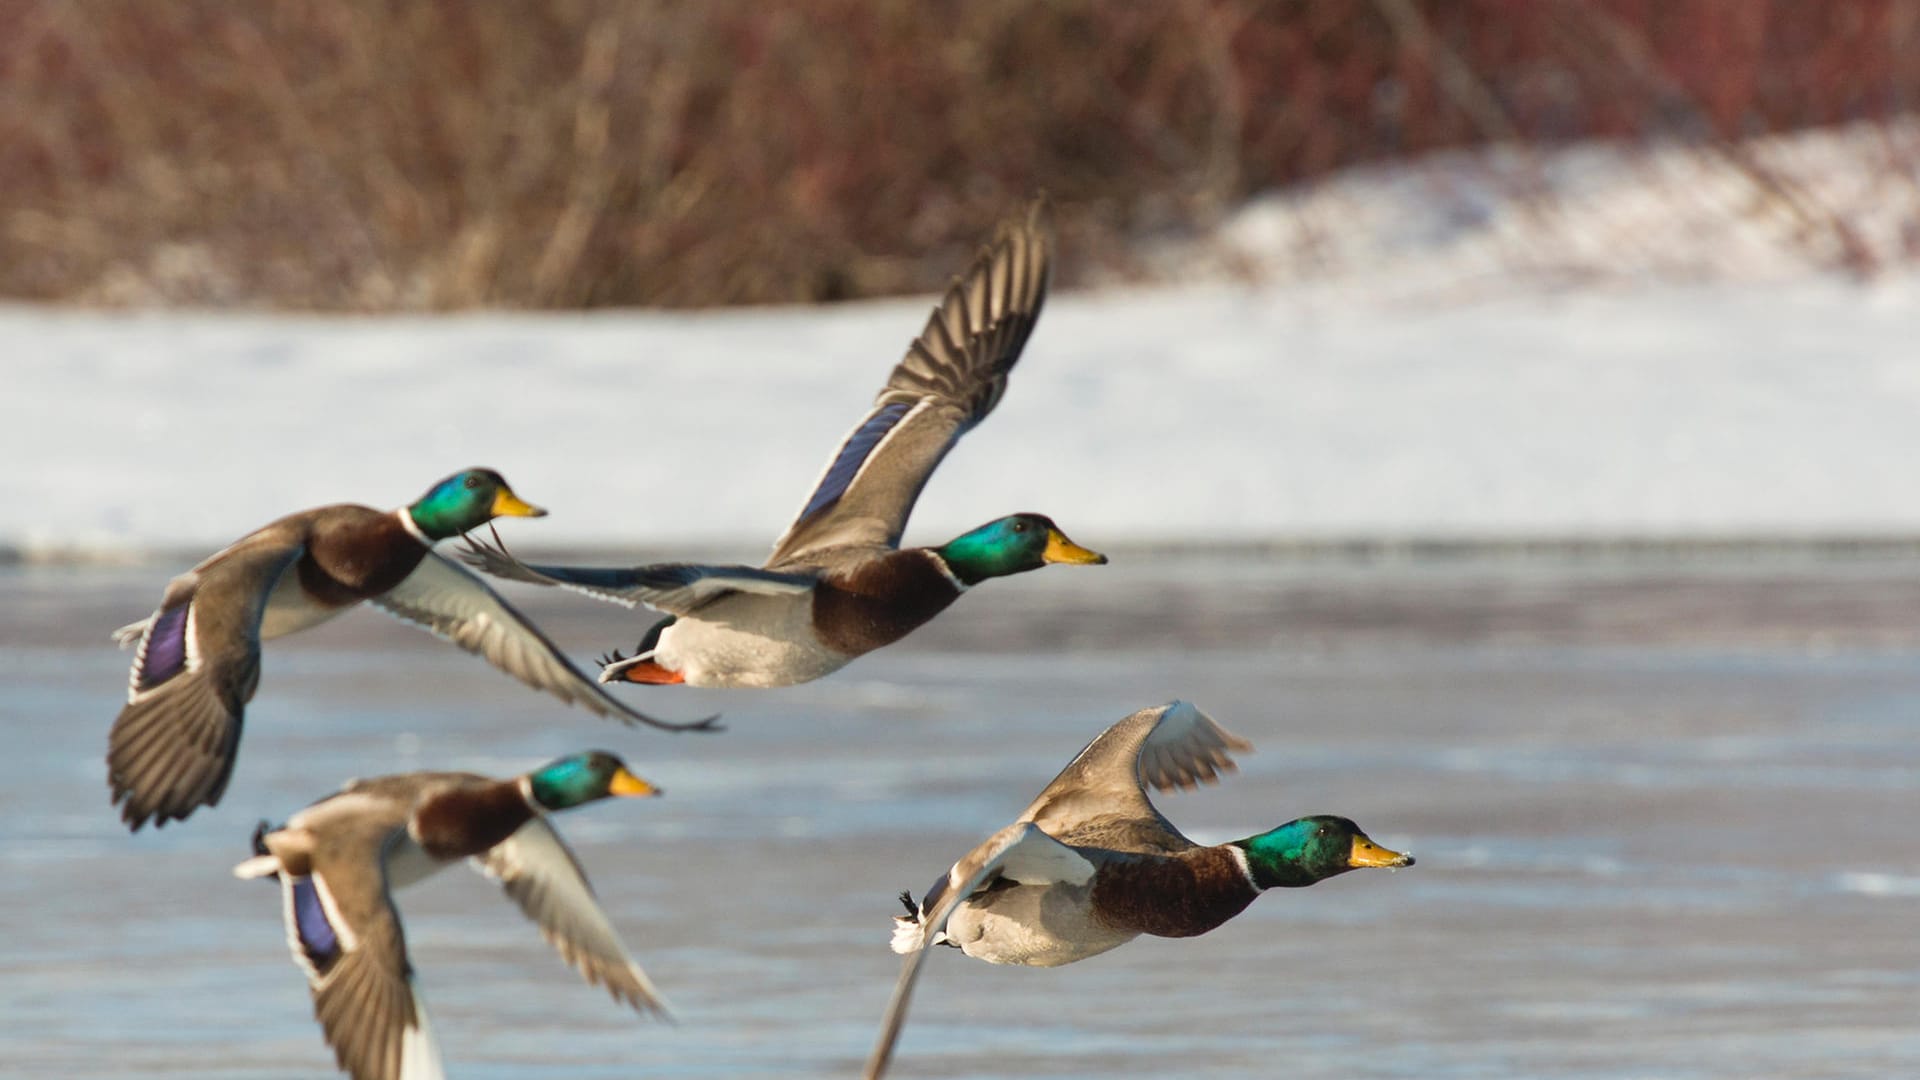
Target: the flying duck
pixel 1091 865
pixel 172 747
pixel 339 861
pixel 838 585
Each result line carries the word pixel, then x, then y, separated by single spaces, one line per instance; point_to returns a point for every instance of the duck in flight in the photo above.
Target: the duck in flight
pixel 1091 865
pixel 838 585
pixel 172 747
pixel 339 861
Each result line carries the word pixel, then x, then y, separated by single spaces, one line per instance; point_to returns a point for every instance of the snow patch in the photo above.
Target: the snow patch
pixel 1335 400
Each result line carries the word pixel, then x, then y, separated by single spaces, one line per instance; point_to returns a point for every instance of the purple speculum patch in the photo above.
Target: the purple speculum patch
pixel 166 647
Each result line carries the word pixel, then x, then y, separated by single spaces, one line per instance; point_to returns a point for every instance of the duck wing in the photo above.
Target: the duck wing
pixel 456 605
pixel 171 749
pixel 675 588
pixel 346 935
pixel 541 874
pixel 1020 852
pixel 1100 798
pixel 951 378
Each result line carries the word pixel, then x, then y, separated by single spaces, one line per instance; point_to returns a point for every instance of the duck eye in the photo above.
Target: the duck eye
pixel 1019 526
pixel 473 482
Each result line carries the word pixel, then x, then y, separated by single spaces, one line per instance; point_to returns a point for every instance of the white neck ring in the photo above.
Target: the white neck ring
pixel 412 526
pixel 946 571
pixel 1246 868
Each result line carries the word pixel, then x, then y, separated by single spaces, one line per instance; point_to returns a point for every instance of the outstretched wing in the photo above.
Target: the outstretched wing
pixel 346 935
pixel 1020 852
pixel 459 607
pixel 1101 794
pixel 540 873
pixel 951 378
pixel 172 747
pixel 675 588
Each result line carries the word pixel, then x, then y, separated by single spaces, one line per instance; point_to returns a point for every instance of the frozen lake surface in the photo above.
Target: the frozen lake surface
pixel 1665 817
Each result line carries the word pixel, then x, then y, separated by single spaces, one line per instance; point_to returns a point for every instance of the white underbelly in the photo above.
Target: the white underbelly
pixel 753 642
pixel 1031 925
pixel 408 863
pixel 290 610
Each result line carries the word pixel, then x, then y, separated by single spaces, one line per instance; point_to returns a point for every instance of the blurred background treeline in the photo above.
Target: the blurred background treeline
pixel 436 154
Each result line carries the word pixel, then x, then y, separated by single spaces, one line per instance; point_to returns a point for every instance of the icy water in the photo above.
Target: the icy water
pixel 1665 819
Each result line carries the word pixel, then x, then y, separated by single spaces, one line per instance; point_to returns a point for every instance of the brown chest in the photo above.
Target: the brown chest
pixel 356 556
pixel 1172 896
pixel 880 601
pixel 469 821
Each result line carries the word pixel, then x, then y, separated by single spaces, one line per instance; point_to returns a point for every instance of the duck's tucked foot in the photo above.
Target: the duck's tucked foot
pixel 913 909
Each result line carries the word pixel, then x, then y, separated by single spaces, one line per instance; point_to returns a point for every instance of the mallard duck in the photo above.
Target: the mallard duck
pixel 172 748
pixel 1091 865
pixel 339 860
pixel 838 585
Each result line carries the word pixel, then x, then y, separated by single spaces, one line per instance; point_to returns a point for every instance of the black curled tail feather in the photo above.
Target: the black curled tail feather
pixel 648 642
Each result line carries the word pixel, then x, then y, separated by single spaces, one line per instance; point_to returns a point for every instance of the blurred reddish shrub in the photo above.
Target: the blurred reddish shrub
pixel 430 155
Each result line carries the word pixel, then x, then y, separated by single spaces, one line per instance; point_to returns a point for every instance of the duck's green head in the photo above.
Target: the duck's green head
pixel 1012 545
pixel 583 778
pixel 467 500
pixel 1313 849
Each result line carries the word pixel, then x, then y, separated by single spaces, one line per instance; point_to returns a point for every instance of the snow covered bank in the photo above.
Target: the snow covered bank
pixel 1785 409
pixel 1472 223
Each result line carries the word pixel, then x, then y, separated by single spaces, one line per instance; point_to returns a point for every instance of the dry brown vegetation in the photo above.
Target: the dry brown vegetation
pixel 413 155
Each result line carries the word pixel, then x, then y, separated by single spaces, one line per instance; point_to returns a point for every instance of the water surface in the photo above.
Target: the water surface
pixel 1664 815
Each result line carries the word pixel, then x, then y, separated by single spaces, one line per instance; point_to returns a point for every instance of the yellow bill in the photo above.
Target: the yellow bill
pixel 1062 550
pixel 627 785
pixel 507 504
pixel 1367 853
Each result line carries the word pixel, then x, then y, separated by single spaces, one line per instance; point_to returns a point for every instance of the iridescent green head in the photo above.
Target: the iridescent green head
pixel 467 500
pixel 1313 849
pixel 1012 545
pixel 583 778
